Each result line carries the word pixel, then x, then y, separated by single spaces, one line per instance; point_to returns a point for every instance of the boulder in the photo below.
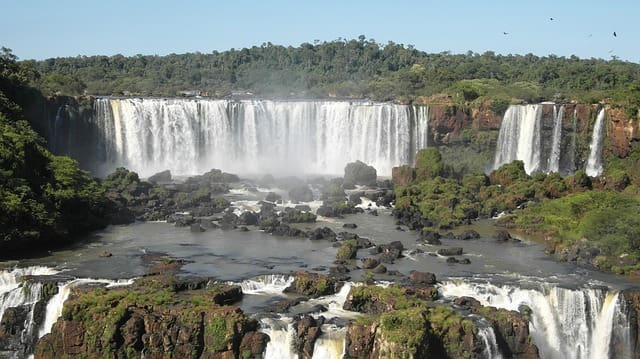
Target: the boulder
pixel 161 177
pixel 502 235
pixel 467 235
pixel 325 233
pixel 360 173
pixel 451 251
pixel 370 263
pixel 301 194
pixel 272 197
pixel 248 218
pixel 422 278
pixel 307 331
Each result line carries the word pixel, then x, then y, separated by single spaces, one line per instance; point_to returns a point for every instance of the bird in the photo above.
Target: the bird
pixel 505 33
pixel 551 18
pixel 614 34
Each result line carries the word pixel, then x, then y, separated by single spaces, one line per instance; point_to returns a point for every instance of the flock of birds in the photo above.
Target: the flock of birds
pixel 552 19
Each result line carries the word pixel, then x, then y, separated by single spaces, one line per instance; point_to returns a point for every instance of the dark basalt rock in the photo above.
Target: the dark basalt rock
pixel 423 278
pixel 467 235
pixel 350 225
pixel 301 194
pixel 370 263
pixel 429 236
pixel 380 269
pixel 502 235
pixel 248 219
pixel 451 251
pixel 272 197
pixel 324 233
pixel 161 177
pixel 360 173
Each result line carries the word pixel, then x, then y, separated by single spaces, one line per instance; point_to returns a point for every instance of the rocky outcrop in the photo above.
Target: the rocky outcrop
pixel 632 300
pixel 151 318
pixel 313 285
pixel 360 173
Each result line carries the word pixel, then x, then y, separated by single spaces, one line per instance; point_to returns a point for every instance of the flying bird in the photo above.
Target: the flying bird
pixel 551 18
pixel 505 33
pixel 614 34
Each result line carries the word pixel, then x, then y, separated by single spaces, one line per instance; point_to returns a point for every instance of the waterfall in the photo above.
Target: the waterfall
pixel 190 136
pixel 330 344
pixel 266 284
pixel 594 162
pixel 554 158
pixel 565 323
pixel 488 336
pixel 520 137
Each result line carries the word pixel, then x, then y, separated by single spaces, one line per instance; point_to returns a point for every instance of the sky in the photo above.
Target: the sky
pixel 38 29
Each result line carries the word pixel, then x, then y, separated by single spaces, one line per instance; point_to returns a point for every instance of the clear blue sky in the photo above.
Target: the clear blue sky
pixel 38 29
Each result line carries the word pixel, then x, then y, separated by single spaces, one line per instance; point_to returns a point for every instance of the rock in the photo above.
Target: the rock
pixel 468 302
pixel 374 212
pixel 360 340
pixel 429 236
pixel 502 235
pixel 465 261
pixel 390 252
pixel 248 218
pixel 312 285
pixel 452 260
pixel 327 211
pixel 350 225
pixel 303 207
pixel 161 177
pixel 106 254
pixel 301 194
pixel 451 251
pixel 379 269
pixel 272 197
pixel 468 234
pixel 355 197
pixel 347 250
pixel 307 331
pixel 324 233
pixel 370 263
pixel 253 343
pixel 360 173
pixel 285 230
pixel 425 278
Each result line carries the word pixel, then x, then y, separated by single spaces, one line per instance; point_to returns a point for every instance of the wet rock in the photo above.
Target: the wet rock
pixel 253 343
pixel 468 302
pixel 307 331
pixel 425 278
pixel 465 261
pixel 430 236
pixel 374 212
pixel 356 197
pixel 452 260
pixel 243 229
pixel 360 173
pixel 467 235
pixel 502 235
pixel 286 230
pixel 451 251
pixel 248 219
pixel 106 254
pixel 324 233
pixel 303 207
pixel 370 263
pixel 350 225
pixel 161 177
pixel 301 194
pixel 390 252
pixel 380 269
pixel 312 284
pixel 327 211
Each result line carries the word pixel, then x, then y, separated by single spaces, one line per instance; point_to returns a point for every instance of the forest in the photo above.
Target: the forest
pixel 346 68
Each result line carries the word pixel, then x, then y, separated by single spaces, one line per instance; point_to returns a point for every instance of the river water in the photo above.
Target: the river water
pixel 572 307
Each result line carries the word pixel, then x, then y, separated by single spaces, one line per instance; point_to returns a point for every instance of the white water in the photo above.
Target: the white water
pixel 488 336
pixel 565 323
pixel 266 284
pixel 554 158
pixel 520 137
pixel 329 345
pixel 594 162
pixel 280 137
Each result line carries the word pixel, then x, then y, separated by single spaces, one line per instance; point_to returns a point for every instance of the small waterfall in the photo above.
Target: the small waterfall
pixel 266 284
pixel 594 162
pixel 190 136
pixel 565 323
pixel 281 333
pixel 331 343
pixel 488 336
pixel 554 159
pixel 520 137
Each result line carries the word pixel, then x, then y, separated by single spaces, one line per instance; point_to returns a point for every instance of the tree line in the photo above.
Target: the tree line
pixel 356 68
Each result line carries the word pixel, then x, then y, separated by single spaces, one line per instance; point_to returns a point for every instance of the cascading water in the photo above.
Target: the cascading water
pixel 594 162
pixel 519 137
pixel 266 284
pixel 491 349
pixel 257 136
pixel 565 323
pixel 554 158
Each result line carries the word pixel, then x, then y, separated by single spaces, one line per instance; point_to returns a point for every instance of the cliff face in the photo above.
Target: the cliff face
pixel 467 136
pixel 157 317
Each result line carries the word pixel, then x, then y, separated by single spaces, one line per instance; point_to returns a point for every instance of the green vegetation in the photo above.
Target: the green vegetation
pixel 348 68
pixel 606 221
pixel 347 250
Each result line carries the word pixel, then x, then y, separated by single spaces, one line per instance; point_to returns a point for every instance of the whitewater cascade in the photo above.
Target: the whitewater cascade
pixel 565 323
pixel 523 137
pixel 190 136
pixel 594 162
